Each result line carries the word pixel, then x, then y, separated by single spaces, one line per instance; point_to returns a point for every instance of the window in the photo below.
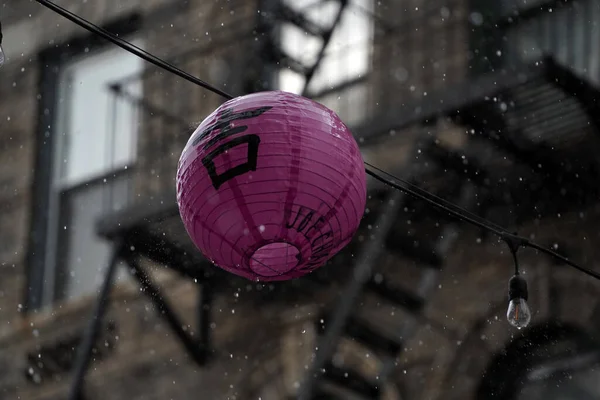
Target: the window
pixel 347 58
pixel 94 152
pixel 550 361
pixel 569 32
pixel 90 117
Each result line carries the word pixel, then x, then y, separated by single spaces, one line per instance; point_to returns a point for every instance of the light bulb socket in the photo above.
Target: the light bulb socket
pixel 514 242
pixel 517 288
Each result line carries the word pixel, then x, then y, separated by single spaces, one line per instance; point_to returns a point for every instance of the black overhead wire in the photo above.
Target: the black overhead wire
pixel 513 240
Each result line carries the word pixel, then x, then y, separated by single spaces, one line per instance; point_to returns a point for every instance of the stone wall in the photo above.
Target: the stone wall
pixel 28 29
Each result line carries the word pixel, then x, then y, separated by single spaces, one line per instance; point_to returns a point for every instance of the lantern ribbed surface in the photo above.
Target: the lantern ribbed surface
pixel 271 185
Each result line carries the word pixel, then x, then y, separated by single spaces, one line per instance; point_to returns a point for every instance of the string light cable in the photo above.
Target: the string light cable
pixel 517 285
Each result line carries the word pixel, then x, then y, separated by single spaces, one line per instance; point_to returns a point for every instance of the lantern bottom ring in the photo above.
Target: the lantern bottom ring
pixel 275 258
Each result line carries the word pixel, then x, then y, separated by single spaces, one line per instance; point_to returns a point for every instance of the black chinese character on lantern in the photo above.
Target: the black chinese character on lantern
pixel 223 124
pixel 1 52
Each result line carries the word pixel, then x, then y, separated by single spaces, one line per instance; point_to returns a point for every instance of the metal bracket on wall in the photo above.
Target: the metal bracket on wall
pixel 197 347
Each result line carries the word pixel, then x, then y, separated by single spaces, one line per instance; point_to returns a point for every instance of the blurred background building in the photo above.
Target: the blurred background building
pixel 493 105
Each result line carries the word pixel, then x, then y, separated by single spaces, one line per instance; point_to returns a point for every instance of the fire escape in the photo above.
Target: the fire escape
pixel 516 126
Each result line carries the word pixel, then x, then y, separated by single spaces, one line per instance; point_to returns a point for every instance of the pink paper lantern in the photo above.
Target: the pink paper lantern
pixel 271 185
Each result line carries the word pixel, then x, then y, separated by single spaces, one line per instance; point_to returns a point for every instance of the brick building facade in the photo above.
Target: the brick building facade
pixel 256 354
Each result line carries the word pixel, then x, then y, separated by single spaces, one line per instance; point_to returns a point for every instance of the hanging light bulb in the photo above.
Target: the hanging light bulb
pixel 518 313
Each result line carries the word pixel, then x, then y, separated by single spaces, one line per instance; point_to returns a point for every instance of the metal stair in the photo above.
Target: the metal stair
pixel 343 322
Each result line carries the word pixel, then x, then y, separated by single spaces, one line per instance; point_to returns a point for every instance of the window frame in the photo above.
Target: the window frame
pixel 50 61
pixel 65 183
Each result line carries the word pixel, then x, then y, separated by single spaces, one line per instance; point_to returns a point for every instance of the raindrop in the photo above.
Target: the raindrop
pixel 476 18
pixel 401 74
